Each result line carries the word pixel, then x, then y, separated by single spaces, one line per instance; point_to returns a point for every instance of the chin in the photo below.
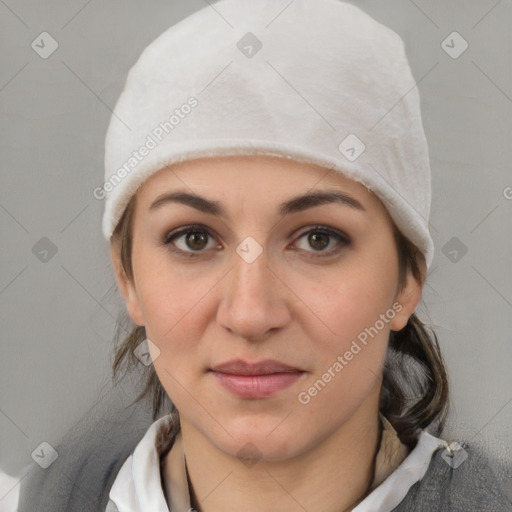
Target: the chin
pixel 260 439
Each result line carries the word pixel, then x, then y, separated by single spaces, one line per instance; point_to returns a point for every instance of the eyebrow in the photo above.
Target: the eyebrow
pixel 294 205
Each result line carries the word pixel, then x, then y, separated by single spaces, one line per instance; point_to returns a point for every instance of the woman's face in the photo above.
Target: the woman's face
pixel 243 267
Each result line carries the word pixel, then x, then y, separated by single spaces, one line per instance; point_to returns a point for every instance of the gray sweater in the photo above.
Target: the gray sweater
pixel 90 457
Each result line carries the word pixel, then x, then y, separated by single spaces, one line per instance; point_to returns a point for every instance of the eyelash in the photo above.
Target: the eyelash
pixel 173 235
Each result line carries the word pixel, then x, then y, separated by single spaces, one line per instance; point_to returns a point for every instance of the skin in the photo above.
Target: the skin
pixel 285 305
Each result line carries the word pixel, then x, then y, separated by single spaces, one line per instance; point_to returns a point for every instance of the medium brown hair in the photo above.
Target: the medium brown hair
pixel 414 393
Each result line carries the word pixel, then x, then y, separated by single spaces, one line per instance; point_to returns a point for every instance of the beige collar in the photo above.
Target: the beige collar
pixel 391 454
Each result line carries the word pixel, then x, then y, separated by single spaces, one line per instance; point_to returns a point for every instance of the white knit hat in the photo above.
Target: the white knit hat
pixel 318 81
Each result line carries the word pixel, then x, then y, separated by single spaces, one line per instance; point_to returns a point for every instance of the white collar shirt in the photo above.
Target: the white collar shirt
pixel 138 487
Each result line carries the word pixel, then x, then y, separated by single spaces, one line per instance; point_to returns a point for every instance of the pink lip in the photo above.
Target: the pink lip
pixel 256 380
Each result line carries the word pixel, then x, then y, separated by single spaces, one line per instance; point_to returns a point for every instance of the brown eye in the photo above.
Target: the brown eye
pixel 189 240
pixel 318 240
pixel 320 237
pixel 196 239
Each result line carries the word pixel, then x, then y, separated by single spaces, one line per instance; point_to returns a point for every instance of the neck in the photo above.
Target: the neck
pixel 334 476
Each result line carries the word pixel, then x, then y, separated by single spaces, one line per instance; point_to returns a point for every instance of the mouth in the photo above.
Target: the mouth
pixel 256 380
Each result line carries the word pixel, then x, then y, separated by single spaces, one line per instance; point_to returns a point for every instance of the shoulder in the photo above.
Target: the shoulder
pixel 459 482
pixel 88 460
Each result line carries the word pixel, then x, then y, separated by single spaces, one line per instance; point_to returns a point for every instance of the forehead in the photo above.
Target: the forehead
pixel 267 178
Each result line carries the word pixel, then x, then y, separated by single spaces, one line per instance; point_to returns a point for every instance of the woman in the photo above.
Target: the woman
pixel 267 195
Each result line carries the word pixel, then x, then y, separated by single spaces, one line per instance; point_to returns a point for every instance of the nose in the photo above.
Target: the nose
pixel 255 301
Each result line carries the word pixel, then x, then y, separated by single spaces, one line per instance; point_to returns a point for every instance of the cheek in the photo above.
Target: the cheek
pixel 350 331
pixel 169 299
pixel 177 332
pixel 343 306
pixel 174 321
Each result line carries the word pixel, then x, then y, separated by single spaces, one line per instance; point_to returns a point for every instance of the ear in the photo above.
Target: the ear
pixel 126 286
pixel 408 298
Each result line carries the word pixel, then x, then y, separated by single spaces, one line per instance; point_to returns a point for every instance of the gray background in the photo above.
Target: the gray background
pixel 58 315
